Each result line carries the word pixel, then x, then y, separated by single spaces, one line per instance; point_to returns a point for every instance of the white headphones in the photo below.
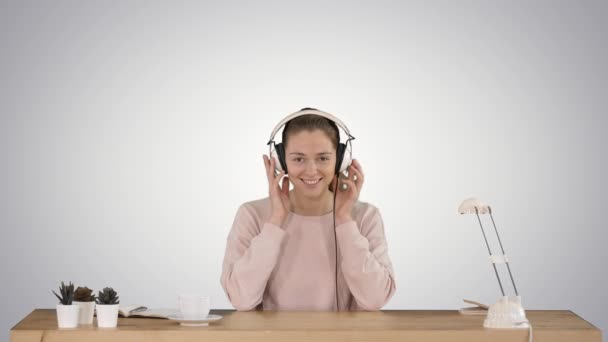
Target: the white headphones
pixel 343 153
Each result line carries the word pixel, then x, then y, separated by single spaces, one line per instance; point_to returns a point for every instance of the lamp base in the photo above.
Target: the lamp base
pixel 507 313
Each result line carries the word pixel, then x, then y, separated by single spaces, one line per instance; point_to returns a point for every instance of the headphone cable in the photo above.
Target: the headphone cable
pixel 336 240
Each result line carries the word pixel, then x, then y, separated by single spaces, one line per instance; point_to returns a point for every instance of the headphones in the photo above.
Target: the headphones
pixel 343 161
pixel 343 153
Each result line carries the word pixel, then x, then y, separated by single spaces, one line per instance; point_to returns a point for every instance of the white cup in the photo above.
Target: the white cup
pixel 194 306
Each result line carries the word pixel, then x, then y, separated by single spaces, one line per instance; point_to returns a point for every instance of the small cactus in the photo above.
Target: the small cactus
pixel 83 294
pixel 67 294
pixel 107 297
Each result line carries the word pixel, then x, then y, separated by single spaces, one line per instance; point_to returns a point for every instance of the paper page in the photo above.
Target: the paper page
pixel 158 313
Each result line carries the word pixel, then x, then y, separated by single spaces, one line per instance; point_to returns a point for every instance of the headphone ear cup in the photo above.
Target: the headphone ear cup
pixel 280 163
pixel 277 162
pixel 340 158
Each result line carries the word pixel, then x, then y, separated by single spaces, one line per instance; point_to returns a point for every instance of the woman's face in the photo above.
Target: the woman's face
pixel 311 162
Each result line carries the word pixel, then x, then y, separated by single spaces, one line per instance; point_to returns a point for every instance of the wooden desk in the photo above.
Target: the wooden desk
pixel 387 325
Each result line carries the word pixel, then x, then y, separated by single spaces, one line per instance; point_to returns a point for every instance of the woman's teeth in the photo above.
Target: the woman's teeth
pixel 311 182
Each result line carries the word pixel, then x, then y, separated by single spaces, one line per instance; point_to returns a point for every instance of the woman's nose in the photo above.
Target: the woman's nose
pixel 311 166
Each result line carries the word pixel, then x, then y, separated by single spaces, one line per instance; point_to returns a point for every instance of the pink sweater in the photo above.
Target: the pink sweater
pixel 292 267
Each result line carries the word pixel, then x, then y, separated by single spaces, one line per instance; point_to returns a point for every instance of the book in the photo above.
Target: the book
pixel 476 303
pixel 143 312
pixel 479 310
pixel 473 311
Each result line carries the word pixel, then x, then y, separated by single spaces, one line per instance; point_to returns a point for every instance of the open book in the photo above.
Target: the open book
pixel 142 311
pixel 478 310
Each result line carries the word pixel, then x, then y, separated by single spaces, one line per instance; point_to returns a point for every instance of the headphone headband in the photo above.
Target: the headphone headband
pixel 309 111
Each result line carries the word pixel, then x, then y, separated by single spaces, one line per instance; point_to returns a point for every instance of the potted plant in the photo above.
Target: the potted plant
pixel 67 313
pixel 107 308
pixel 86 301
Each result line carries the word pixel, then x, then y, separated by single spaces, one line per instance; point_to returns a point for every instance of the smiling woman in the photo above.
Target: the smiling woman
pixel 280 249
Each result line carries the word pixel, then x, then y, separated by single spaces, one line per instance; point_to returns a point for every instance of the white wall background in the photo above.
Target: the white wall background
pixel 130 131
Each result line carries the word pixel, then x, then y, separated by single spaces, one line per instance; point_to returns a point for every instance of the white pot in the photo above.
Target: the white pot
pixel 67 315
pixel 86 312
pixel 107 315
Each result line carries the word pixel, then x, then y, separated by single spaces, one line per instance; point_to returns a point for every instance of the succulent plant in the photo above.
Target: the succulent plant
pixel 107 297
pixel 67 294
pixel 83 294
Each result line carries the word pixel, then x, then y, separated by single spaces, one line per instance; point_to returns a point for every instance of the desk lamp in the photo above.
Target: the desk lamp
pixel 507 312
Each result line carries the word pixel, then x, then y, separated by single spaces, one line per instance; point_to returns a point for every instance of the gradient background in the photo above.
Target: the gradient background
pixel 131 131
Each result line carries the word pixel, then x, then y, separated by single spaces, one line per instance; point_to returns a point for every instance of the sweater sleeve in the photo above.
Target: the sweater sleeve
pixel 250 258
pixel 365 262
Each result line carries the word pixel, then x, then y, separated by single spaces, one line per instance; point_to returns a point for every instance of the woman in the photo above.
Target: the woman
pixel 281 251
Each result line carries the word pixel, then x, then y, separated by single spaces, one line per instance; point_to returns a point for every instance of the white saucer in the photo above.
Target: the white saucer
pixel 201 322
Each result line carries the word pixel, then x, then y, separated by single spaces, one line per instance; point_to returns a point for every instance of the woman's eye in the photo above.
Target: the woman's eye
pixel 298 160
pixel 324 158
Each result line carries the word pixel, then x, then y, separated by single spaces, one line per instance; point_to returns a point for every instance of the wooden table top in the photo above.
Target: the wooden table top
pixel 387 325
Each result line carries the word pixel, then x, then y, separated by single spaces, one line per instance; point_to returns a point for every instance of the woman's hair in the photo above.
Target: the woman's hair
pixel 310 122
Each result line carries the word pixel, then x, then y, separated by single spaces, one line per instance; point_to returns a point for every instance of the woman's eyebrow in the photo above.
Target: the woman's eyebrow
pixel 302 154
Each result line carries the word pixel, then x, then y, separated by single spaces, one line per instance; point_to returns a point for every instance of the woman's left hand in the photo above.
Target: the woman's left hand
pixel 346 199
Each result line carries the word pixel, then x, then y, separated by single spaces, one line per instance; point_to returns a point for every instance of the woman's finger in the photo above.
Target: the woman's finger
pixel 352 186
pixel 360 178
pixel 357 165
pixel 272 166
pixel 267 166
pixel 285 187
pixel 277 181
pixel 273 184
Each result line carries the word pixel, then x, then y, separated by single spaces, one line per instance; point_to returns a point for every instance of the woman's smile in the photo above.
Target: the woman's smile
pixel 311 182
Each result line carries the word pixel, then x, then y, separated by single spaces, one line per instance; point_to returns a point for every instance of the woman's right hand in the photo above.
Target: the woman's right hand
pixel 279 195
